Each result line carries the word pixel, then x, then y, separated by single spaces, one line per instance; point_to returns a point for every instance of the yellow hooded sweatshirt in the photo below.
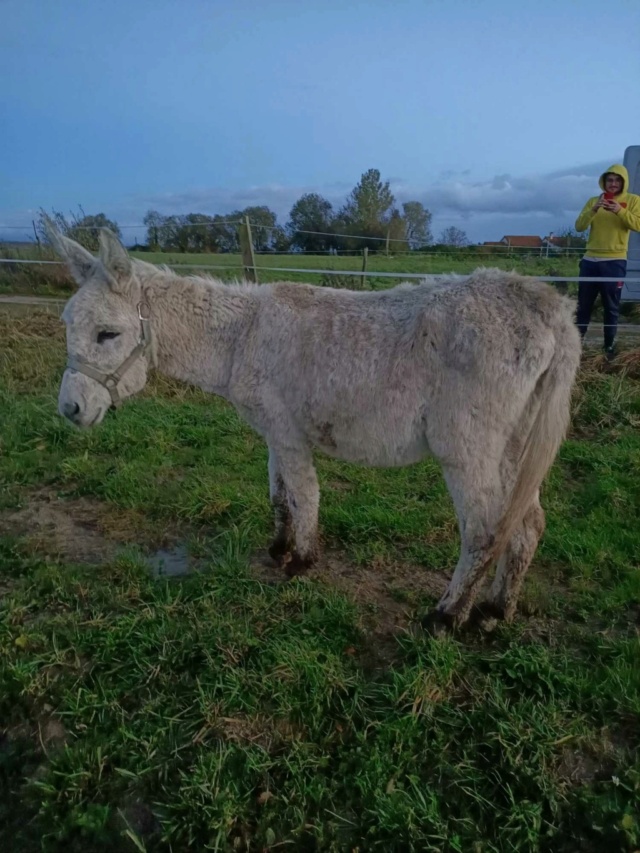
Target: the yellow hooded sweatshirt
pixel 609 232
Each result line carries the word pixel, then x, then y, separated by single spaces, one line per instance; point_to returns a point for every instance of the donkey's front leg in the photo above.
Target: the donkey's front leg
pixel 283 539
pixel 295 465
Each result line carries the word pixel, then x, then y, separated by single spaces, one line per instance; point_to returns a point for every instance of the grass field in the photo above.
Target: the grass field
pixel 48 281
pixel 226 709
pixel 403 263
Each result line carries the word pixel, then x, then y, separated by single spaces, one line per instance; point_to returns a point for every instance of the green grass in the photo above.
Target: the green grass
pixel 48 281
pixel 402 263
pixel 222 711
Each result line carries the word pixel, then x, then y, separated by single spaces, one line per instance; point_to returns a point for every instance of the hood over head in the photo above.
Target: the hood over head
pixel 616 169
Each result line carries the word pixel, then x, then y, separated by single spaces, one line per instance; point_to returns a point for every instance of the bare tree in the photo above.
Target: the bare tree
pixel 83 228
pixel 454 237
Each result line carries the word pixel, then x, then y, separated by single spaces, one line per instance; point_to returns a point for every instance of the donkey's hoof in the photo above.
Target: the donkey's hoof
pixel 485 617
pixel 437 623
pixel 278 551
pixel 295 564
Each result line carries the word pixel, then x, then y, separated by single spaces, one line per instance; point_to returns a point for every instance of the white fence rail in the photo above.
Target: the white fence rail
pixel 369 273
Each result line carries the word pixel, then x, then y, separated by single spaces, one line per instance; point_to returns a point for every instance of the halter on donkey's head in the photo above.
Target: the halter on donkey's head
pixel 145 346
pixel 110 381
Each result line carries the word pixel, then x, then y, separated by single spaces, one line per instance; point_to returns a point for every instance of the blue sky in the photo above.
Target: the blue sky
pixel 497 116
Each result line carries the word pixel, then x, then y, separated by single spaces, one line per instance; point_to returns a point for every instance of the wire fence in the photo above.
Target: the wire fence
pixel 368 273
pixel 464 252
pixel 140 225
pixel 252 270
pixel 547 248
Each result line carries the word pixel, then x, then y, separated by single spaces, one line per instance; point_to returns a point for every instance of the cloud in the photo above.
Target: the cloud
pixel 559 193
pixel 279 197
pixel 506 204
pixel 589 170
pixel 486 209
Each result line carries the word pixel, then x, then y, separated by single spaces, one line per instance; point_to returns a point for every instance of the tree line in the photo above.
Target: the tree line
pixel 369 218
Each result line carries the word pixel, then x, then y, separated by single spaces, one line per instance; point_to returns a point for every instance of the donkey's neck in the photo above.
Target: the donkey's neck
pixel 198 326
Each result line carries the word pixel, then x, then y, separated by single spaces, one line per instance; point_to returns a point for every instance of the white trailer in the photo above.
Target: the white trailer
pixel 631 289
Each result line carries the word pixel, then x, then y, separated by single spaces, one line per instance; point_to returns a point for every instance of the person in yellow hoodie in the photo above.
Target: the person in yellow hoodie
pixel 610 217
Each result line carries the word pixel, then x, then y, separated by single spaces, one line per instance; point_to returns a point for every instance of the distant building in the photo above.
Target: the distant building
pixel 523 243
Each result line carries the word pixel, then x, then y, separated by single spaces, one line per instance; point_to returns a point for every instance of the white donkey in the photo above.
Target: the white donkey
pixel 476 370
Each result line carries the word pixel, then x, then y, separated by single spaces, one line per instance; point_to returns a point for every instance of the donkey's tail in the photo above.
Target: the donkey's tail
pixel 548 413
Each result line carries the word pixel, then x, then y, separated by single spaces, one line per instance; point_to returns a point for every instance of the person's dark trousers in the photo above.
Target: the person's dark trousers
pixel 610 292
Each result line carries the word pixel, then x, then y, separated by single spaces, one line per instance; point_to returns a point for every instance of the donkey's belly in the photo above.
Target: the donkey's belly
pixel 379 446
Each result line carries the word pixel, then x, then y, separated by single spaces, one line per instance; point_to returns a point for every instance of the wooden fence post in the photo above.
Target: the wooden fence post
pixel 365 255
pixel 35 231
pixel 248 256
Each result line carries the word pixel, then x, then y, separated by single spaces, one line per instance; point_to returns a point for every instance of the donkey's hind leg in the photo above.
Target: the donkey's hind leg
pixel 478 491
pixel 283 537
pixel 294 465
pixel 512 566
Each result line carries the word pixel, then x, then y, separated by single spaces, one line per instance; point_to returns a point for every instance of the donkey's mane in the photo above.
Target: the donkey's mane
pixel 165 276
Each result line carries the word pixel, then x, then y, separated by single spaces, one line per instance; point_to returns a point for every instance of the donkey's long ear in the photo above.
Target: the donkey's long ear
pixel 81 263
pixel 115 260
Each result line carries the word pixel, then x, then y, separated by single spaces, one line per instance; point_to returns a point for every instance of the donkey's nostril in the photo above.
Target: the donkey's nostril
pixel 70 410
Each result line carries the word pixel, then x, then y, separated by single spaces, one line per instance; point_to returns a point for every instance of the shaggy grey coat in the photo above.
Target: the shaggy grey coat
pixel 475 370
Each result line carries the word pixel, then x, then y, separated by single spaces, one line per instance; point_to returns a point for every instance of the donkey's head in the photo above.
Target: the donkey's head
pixel 108 333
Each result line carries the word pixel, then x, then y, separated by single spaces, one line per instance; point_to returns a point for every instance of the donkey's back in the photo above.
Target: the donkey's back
pixel 383 377
pixel 486 317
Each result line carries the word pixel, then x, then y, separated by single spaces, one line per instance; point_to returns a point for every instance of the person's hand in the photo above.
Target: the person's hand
pixel 611 205
pixel 600 203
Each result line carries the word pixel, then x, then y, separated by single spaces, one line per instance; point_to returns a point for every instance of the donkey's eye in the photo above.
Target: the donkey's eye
pixel 107 336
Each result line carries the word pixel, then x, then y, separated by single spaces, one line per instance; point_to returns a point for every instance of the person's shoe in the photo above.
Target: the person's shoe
pixel 610 352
